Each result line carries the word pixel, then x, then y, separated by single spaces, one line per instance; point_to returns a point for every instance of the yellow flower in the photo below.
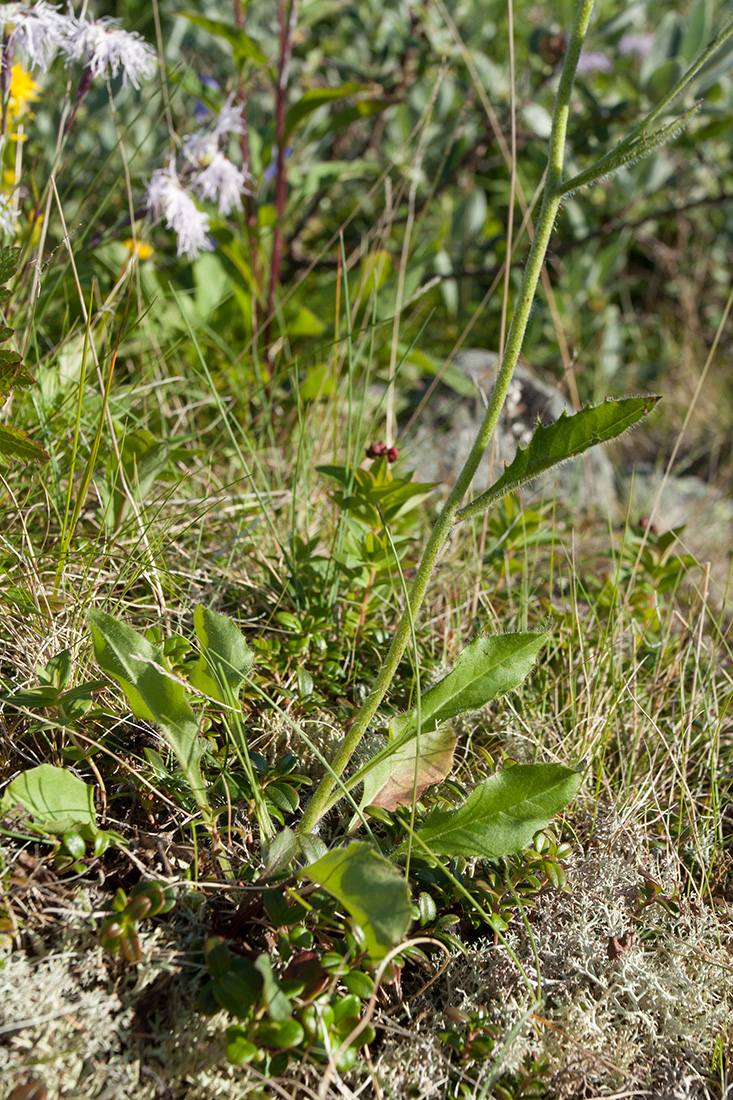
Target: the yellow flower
pixel 23 92
pixel 141 249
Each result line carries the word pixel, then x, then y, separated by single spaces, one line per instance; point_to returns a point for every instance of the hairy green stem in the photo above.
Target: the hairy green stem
pixel 545 223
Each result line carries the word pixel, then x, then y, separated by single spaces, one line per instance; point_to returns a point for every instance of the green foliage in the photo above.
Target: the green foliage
pixel 54 796
pixel 286 1011
pixel 15 443
pixel 502 814
pixel 370 888
pixel 237 386
pixel 142 460
pixel 566 438
pixel 419 752
pixel 225 660
pixel 59 804
pixel 53 693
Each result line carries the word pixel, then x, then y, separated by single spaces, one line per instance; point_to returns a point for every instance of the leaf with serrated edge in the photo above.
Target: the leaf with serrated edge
pixel 502 814
pixel 568 437
pixel 15 446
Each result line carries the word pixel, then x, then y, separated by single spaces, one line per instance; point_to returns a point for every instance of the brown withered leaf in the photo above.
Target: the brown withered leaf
pixel 392 782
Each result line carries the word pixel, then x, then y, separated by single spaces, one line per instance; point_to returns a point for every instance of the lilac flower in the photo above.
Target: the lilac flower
pixel 637 44
pixel 593 61
pixel 166 198
pixel 221 182
pixel 39 31
pixel 105 48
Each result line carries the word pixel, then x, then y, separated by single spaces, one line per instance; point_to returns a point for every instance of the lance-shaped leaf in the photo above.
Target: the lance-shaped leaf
pixel 226 657
pixel 502 814
pixel 152 692
pixel 245 49
pixel 567 437
pixel 370 888
pixel 489 666
pixel 313 99
pixel 410 769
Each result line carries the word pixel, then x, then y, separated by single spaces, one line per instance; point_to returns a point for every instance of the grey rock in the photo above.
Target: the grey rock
pixel 705 512
pixel 448 427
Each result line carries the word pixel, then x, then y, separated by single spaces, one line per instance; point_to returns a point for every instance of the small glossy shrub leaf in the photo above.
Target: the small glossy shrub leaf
pixel 371 889
pixel 226 657
pixel 239 989
pixel 392 782
pixel 276 1002
pixel 502 814
pixel 567 437
pixel 280 1035
pixel 238 1047
pixel 54 796
pixel 151 692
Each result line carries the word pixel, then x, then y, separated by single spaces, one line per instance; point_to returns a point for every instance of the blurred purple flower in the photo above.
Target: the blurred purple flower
pixel 593 61
pixel 271 170
pixel 636 44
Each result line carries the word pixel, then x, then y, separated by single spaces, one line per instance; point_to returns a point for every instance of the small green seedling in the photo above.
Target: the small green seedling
pixel 120 931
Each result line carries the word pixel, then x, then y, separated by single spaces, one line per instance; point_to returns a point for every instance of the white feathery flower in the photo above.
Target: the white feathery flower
pixel 166 198
pixel 39 31
pixel 199 148
pixel 106 48
pixel 221 182
pixel 229 120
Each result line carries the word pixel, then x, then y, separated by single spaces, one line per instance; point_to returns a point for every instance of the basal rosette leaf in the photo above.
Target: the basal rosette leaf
pixel 152 692
pixel 502 814
pixel 371 888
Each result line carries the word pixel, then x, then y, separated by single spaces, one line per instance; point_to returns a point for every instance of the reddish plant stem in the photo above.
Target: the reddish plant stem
pixel 6 78
pixel 287 27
